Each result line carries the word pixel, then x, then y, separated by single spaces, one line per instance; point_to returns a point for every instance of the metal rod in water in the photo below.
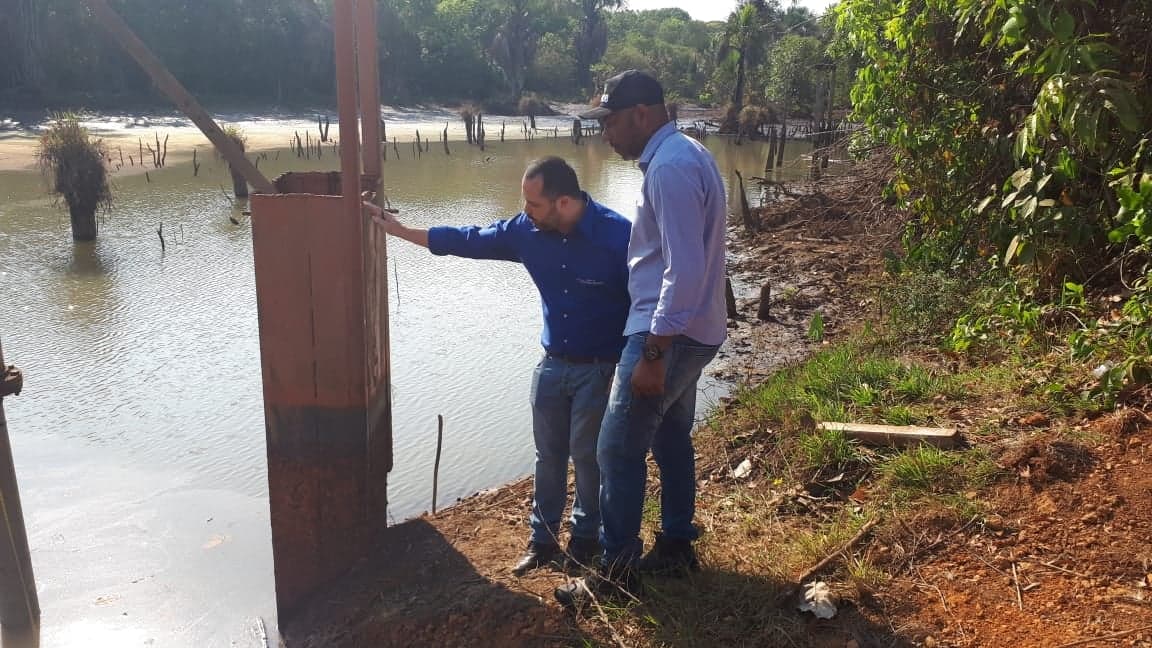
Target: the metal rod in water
pixel 436 466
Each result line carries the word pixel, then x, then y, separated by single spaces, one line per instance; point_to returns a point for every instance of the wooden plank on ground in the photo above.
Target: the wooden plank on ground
pixel 900 436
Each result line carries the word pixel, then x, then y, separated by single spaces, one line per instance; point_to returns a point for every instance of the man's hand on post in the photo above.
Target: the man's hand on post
pixel 383 217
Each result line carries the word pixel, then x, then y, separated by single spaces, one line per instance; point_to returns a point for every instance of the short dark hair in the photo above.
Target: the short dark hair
pixel 557 177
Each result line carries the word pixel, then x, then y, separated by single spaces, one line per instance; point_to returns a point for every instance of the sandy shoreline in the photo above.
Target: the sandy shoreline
pixel 124 134
pixel 269 131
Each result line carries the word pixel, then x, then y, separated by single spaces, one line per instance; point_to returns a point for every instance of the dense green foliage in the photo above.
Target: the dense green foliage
pixel 1020 130
pixel 492 51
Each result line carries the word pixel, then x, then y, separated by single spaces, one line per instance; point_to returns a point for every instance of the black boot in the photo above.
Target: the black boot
pixel 538 555
pixel 581 554
pixel 670 557
pixel 605 583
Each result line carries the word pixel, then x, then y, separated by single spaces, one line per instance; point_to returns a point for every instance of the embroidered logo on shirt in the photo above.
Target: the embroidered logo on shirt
pixel 589 282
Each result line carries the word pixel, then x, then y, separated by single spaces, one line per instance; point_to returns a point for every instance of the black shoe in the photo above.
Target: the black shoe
pixel 538 555
pixel 670 557
pixel 605 583
pixel 581 554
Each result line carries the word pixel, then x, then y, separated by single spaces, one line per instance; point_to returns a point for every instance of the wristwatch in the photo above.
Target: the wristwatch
pixel 652 352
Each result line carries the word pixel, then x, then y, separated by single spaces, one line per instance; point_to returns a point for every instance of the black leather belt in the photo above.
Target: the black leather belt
pixel 573 359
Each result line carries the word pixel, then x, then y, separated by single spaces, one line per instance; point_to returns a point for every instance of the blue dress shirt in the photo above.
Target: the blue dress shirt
pixel 582 276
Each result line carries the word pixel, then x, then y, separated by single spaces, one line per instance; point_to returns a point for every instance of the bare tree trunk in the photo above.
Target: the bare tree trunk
pixel 83 222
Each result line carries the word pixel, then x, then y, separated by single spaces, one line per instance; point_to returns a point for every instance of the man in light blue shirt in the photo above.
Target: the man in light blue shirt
pixel 676 323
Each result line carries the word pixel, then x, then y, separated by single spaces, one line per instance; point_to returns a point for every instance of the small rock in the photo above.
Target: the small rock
pixel 1035 419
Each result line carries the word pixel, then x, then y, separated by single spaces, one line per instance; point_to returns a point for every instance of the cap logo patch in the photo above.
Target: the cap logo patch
pixel 604 99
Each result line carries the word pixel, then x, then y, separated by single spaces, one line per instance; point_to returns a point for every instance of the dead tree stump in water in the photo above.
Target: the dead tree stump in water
pixel 577 131
pixel 771 161
pixel 763 311
pixel 783 139
pixel 324 123
pixel 750 223
pixel 446 151
pixel 730 298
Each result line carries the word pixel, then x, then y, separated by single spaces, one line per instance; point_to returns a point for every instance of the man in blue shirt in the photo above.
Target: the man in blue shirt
pixel 575 250
pixel 676 323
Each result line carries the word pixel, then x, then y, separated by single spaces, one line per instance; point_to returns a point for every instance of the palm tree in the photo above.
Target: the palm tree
pixel 514 46
pixel 591 40
pixel 742 44
pixel 73 163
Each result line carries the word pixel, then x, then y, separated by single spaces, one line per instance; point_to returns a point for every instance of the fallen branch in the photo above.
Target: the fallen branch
pixel 1114 635
pixel 793 589
pixel 852 542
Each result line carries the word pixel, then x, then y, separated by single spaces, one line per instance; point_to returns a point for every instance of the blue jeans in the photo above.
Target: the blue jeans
pixel 664 423
pixel 568 402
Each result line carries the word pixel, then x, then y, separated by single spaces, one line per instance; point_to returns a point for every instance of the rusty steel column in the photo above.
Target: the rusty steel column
pixel 375 273
pixel 321 291
pixel 19 606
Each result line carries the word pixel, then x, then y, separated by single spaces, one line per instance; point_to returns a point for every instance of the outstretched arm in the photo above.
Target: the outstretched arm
pixel 496 241
pixel 394 227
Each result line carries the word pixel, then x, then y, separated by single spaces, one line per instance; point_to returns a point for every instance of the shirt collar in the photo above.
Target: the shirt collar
pixel 586 224
pixel 654 142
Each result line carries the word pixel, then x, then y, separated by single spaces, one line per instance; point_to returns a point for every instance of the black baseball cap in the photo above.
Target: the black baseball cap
pixel 625 90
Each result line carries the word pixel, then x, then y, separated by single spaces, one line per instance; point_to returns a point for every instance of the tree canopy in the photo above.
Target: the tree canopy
pixel 263 52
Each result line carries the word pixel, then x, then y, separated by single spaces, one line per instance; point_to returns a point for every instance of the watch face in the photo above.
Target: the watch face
pixel 652 352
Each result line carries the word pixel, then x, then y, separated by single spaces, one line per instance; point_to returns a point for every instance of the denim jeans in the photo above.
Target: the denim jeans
pixel 632 426
pixel 568 402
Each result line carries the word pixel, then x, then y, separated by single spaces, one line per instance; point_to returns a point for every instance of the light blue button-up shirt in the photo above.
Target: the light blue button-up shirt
pixel 676 253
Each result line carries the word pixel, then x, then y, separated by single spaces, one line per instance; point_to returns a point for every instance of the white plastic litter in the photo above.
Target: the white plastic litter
pixel 818 600
pixel 743 469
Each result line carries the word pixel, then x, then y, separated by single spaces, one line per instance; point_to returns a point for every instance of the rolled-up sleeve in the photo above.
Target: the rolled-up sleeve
pixel 496 241
pixel 677 200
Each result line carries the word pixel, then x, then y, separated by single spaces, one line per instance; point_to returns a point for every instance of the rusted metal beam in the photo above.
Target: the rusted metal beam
pixel 344 26
pixel 175 91
pixel 321 293
pixel 376 285
pixel 368 69
pixel 19 606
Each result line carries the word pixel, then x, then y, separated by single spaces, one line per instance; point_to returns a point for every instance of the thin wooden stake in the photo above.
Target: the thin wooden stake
pixel 1016 582
pixel 436 466
pixel 396 277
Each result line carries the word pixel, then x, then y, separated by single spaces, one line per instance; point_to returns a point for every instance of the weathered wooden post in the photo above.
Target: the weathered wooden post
pixel 19 606
pixel 322 295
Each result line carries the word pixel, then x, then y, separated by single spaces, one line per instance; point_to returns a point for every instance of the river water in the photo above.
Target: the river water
pixel 139 438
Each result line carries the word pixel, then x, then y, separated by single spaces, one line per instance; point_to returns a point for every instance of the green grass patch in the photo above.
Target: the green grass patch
pixel 826 448
pixel 850 382
pixel 922 469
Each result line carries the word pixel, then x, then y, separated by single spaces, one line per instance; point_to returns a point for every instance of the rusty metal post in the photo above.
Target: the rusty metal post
pixel 375 270
pixel 321 291
pixel 19 606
